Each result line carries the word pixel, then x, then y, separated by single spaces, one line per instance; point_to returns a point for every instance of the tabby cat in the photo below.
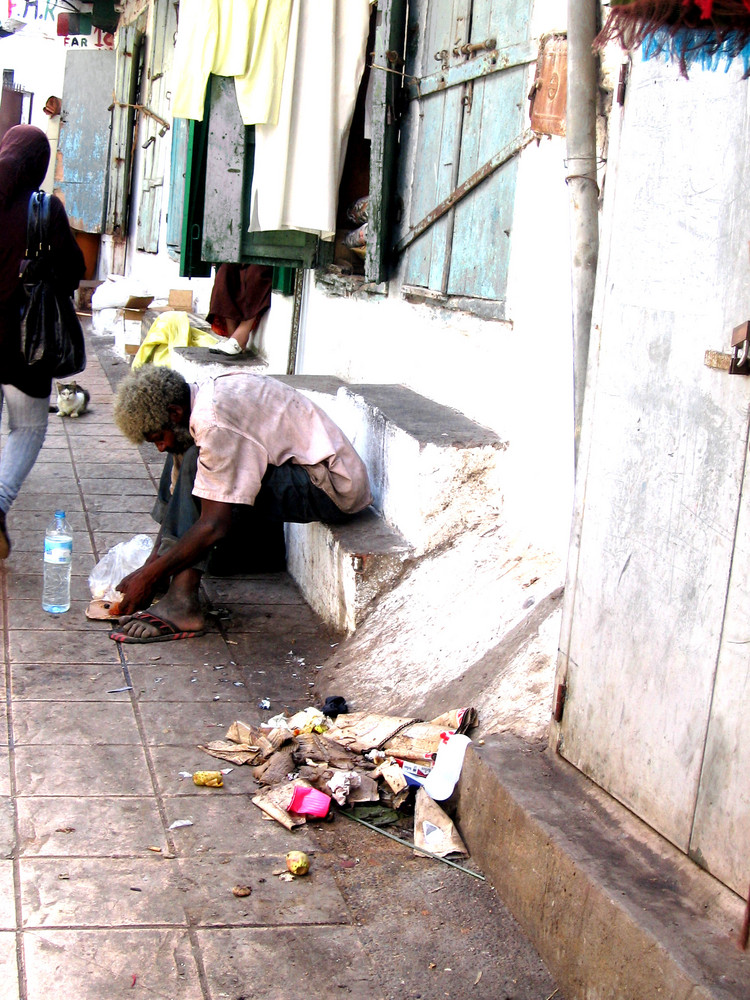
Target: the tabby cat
pixel 72 399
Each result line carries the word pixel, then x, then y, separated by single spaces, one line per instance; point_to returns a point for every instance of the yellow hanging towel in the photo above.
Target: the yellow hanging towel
pixel 171 329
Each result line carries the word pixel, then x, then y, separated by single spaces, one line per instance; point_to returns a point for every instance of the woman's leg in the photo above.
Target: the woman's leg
pixel 239 335
pixel 27 424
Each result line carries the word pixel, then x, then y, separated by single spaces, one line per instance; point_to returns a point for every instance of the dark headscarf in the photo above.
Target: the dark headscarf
pixel 24 158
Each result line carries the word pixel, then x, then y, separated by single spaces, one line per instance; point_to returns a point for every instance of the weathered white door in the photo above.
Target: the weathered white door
pixel 83 145
pixel 654 648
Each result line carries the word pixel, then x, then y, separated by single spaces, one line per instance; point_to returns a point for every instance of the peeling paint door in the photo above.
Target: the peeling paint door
pixel 154 135
pixel 457 129
pixel 655 648
pixel 83 144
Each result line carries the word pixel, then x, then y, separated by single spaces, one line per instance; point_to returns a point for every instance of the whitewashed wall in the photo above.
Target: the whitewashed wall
pixel 37 59
pixel 514 377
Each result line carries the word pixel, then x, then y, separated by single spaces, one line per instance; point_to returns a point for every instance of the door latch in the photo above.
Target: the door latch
pixel 740 363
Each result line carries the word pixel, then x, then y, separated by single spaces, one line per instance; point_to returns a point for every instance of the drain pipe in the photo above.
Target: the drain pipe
pixel 582 185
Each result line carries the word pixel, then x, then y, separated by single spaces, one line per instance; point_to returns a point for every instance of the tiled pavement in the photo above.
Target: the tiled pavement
pixel 100 899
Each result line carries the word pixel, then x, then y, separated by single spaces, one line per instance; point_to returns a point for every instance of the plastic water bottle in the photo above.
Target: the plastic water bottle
pixel 58 558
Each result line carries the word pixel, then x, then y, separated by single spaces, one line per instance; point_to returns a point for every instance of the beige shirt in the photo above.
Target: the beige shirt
pixel 243 423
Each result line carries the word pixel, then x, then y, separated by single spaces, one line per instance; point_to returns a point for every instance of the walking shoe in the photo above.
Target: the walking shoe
pixel 229 346
pixel 4 540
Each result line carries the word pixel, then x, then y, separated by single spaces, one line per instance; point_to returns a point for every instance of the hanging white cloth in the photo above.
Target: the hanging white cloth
pixel 298 161
pixel 245 39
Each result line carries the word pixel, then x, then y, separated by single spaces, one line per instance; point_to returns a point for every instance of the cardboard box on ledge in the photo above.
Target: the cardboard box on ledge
pixel 181 299
pixel 129 324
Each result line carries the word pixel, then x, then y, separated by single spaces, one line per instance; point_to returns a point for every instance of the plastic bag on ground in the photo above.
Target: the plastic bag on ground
pixel 122 559
pixel 114 293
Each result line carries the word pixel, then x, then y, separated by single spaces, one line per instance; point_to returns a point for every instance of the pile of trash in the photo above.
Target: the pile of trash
pixel 308 761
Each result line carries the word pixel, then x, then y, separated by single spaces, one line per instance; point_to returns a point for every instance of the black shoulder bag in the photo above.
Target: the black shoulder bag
pixel 51 334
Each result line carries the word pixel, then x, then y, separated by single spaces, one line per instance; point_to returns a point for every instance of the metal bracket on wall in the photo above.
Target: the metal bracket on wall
pixel 740 363
pixel 144 111
pixel 505 154
pixel 488 62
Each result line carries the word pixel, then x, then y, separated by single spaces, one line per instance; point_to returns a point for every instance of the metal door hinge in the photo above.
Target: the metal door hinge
pixel 740 363
pixel 560 694
pixel 484 64
pixel 622 83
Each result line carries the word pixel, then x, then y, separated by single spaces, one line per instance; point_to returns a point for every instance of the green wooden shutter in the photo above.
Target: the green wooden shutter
pixel 454 131
pixel 386 87
pixel 218 181
pixel 129 49
pixel 191 263
pixel 177 170
pixel 154 131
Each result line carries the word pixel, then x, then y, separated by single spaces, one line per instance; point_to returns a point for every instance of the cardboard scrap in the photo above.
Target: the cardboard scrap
pixel 323 749
pixel 417 742
pixel 276 768
pixel 407 739
pixel 434 830
pixel 392 775
pixel 335 763
pixel 361 731
pixel 245 744
pixel 267 739
pixel 459 719
pixel 366 791
pixel 235 753
pixel 275 803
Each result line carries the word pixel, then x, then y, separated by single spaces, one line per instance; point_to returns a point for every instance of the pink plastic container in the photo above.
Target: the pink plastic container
pixel 309 801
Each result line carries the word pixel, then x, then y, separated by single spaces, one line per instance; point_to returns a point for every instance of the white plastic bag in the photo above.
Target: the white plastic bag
pixel 122 559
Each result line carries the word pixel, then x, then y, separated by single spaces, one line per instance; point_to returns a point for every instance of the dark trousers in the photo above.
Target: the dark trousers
pixel 255 542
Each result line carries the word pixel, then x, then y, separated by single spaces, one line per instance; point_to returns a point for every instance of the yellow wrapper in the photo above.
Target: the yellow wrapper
pixel 212 779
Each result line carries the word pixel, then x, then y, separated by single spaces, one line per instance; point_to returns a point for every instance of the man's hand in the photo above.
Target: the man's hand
pixel 139 587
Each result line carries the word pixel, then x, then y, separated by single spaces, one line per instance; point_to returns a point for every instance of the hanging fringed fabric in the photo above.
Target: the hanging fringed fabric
pixel 706 33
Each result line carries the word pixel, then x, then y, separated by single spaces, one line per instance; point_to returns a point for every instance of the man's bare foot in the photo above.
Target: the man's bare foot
pixel 182 615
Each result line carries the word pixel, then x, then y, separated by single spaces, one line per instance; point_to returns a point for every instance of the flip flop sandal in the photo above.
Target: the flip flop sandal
pixel 167 631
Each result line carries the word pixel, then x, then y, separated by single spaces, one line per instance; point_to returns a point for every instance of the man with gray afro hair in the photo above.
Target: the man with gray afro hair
pixel 237 443
pixel 142 402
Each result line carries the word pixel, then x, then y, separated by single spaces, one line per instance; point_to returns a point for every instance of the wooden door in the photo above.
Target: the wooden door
pixel 459 128
pixel 83 143
pixel 154 132
pixel 657 676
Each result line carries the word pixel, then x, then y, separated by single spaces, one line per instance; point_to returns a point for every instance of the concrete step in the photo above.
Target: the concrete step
pixel 434 473
pixel 613 909
pixel 342 569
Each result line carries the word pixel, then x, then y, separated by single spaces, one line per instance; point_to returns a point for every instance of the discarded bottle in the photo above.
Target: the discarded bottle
pixel 58 558
pixel 449 761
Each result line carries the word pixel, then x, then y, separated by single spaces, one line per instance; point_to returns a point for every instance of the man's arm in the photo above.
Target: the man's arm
pixel 139 587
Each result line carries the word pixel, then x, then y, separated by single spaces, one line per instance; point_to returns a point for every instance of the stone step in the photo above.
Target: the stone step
pixel 342 569
pixel 434 474
pixel 433 471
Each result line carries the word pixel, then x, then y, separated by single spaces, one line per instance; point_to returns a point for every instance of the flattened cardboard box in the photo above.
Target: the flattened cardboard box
pixel 130 331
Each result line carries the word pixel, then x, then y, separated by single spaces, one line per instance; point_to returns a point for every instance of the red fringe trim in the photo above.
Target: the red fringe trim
pixel 630 22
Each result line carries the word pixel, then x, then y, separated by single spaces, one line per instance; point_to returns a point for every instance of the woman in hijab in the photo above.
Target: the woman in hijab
pixel 24 157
